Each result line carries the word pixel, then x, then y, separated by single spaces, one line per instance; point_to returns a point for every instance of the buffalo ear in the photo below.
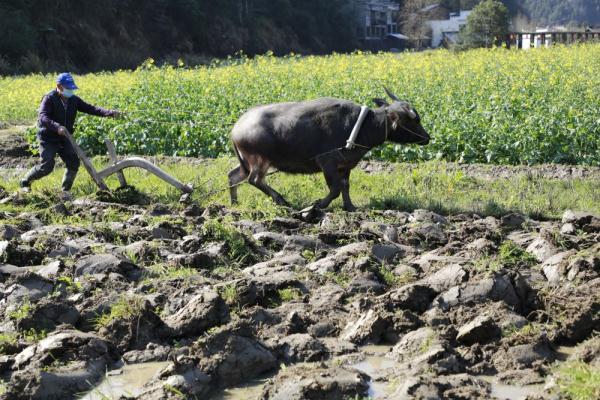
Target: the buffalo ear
pixel 381 102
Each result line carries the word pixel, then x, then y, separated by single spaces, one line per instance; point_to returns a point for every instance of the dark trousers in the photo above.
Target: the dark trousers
pixel 48 151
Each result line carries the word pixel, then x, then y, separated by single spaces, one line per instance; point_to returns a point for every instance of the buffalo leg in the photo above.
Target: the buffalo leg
pixel 348 206
pixel 334 182
pixel 236 176
pixel 257 179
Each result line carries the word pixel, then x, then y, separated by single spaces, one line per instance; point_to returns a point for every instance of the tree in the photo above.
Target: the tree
pixel 487 24
pixel 414 22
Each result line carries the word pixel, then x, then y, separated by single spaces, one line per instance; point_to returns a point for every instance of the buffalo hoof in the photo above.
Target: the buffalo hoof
pixel 282 202
pixel 320 204
pixel 350 208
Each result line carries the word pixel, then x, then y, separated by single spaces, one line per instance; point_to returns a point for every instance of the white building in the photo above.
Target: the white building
pixel 447 28
pixel 543 37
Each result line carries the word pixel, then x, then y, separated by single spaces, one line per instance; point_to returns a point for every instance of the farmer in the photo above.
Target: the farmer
pixel 56 117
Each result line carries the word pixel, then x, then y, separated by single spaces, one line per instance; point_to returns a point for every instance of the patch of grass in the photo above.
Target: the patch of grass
pixel 174 391
pixel 229 293
pixel 132 256
pixel 528 332
pixel 309 255
pixel 432 185
pixel 578 380
pixel 22 311
pixel 98 248
pixel 71 284
pixel 126 307
pixel 8 340
pixel 112 214
pixel 289 294
pixel 511 255
pixel 388 276
pixel 341 278
pixel 283 296
pixel 34 336
pixel 237 245
pixel 168 272
pixel 487 264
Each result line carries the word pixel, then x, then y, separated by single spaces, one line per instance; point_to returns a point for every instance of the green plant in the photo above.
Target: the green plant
pixel 511 255
pixel 22 311
pixel 229 293
pixel 34 336
pixel 237 246
pixel 309 255
pixel 126 307
pixel 289 294
pixel 341 278
pixel 163 271
pixel 7 340
pixel 391 279
pixel 487 23
pixel 72 285
pixel 578 380
pixel 476 104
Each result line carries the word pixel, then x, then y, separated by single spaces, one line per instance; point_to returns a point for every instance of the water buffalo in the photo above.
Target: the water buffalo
pixel 308 137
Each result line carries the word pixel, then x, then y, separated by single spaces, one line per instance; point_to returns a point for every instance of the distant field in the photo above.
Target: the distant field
pixel 490 106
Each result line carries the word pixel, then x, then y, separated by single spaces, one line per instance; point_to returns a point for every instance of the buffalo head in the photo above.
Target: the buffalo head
pixel 405 122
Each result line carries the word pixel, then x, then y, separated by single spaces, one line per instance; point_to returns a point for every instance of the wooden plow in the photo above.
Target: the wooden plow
pixel 117 167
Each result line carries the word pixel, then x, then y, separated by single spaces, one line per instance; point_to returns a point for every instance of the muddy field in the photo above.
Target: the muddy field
pixel 182 301
pixel 313 305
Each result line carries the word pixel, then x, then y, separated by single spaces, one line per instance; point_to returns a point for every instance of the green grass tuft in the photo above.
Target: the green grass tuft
pixel 578 380
pixel 126 307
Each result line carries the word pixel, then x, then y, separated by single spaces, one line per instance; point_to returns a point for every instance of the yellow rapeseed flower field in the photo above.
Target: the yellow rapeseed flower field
pixel 487 105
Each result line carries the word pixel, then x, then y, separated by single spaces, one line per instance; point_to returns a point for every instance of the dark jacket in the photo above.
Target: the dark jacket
pixel 53 114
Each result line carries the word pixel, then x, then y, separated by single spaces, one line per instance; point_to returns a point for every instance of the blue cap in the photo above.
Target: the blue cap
pixel 66 79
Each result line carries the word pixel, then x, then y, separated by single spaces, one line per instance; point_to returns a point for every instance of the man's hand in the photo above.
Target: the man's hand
pixel 62 131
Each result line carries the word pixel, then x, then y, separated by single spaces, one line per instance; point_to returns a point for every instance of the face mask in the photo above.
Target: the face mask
pixel 67 93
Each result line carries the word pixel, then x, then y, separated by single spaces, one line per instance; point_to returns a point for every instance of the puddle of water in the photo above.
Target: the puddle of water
pixel 373 365
pixel 376 349
pixel 370 365
pixel 133 377
pixel 511 392
pixel 128 383
pixel 249 391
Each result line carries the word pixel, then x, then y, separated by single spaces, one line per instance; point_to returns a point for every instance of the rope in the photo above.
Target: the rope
pixel 166 109
pixel 415 133
pixel 213 192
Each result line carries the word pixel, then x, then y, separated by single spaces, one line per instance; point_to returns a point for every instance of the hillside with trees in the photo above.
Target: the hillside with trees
pixel 549 12
pixel 86 35
pixel 92 35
